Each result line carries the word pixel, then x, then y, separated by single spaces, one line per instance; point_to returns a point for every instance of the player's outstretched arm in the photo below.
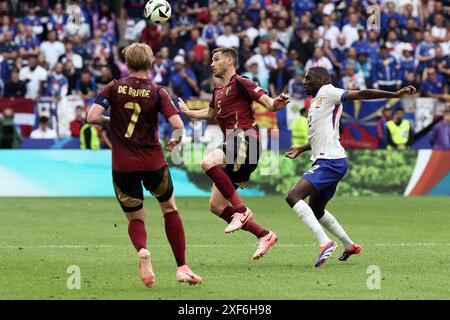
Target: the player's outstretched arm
pixel 369 94
pixel 95 116
pixel 202 114
pixel 178 129
pixel 295 151
pixel 274 104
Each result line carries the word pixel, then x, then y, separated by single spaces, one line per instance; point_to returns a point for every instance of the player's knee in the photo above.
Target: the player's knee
pixel 206 165
pixel 292 199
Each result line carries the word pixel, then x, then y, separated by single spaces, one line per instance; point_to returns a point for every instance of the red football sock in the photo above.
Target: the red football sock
pixel 175 235
pixel 138 234
pixel 251 226
pixel 227 214
pixel 226 187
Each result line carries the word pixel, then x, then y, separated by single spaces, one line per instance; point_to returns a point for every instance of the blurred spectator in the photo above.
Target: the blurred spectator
pixel 390 13
pixel 183 22
pixel 70 55
pixel 57 83
pixel 173 44
pixel 407 62
pixel 408 34
pixel 108 36
pixel 329 32
pixel 434 85
pixel 56 21
pixel 52 49
pixel 72 77
pixel 350 30
pixel 182 81
pixel 35 77
pixel 352 80
pixel 134 8
pixel 9 48
pixel 386 115
pixel 279 78
pixel 440 135
pixel 105 13
pixel 103 79
pixel 362 44
pixel 249 30
pixel 43 131
pixel 296 89
pixel 299 129
pixel 9 135
pixel 439 32
pixel 206 88
pixel 385 72
pixel 15 88
pixel 78 122
pixel 33 21
pixel 28 43
pixel 425 52
pixel 441 63
pixel 98 49
pixel 266 62
pixel 196 44
pixel 5 72
pixel 202 69
pixel 212 31
pixel 85 86
pixel 228 39
pixel 399 131
pixel 252 72
pixel 302 43
pixel 373 46
pixel 160 71
pixel 350 58
pixel 364 66
pixel 318 60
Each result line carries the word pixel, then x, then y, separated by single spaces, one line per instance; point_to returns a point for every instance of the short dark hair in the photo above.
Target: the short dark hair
pixel 320 71
pixel 229 52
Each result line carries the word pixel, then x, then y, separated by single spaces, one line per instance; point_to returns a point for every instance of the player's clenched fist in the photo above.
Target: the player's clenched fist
pixel 409 90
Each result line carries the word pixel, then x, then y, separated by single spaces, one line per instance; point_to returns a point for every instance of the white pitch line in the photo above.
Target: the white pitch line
pixel 407 244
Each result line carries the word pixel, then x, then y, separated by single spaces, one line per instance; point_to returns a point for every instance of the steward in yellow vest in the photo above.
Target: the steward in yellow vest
pixel 399 131
pixel 89 137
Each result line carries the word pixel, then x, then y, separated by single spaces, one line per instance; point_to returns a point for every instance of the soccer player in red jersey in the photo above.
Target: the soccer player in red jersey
pixel 137 155
pixel 231 165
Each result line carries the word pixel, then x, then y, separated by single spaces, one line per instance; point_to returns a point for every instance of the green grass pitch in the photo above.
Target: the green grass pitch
pixel 406 238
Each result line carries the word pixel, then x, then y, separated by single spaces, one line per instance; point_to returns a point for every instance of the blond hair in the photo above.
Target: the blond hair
pixel 138 56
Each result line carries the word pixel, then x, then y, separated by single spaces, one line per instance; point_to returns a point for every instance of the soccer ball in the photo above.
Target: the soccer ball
pixel 157 11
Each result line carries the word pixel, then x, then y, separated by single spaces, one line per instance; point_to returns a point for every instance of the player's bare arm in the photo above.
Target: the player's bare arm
pixel 369 94
pixel 295 151
pixel 202 114
pixel 276 104
pixel 178 128
pixel 95 116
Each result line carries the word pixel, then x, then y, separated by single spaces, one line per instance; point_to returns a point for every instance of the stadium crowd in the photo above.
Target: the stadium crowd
pixel 44 52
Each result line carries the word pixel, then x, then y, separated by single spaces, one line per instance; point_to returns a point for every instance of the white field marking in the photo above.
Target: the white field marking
pixel 406 244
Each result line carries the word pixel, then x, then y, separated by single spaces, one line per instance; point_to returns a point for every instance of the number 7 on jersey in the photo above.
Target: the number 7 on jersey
pixel 134 118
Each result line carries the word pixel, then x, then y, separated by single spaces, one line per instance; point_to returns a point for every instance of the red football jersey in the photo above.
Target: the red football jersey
pixel 135 105
pixel 233 103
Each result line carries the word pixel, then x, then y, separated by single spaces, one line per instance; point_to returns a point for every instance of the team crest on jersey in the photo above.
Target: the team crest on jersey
pixel 317 103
